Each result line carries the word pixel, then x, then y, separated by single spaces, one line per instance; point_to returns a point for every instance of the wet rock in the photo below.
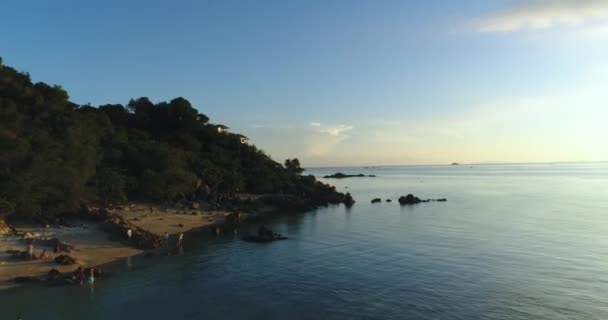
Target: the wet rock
pixel 409 199
pixel 340 175
pixel 53 275
pixel 348 200
pixel 376 200
pixel 389 200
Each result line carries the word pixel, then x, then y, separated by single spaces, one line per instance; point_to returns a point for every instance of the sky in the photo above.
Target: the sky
pixel 342 82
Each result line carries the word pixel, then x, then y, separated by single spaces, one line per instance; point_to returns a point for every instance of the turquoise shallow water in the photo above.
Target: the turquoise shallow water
pixel 512 242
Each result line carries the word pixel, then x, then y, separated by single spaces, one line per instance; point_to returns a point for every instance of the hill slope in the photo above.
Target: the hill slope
pixel 57 156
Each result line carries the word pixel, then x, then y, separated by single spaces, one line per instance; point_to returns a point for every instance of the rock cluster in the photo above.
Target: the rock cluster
pixel 118 226
pixel 411 199
pixel 340 175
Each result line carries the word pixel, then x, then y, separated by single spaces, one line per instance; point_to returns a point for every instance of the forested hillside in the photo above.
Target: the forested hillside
pixel 56 155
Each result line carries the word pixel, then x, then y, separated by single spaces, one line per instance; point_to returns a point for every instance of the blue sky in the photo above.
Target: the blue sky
pixel 347 82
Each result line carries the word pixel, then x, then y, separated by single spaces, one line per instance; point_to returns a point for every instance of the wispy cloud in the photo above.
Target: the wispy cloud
pixel 534 15
pixel 335 131
pixel 327 137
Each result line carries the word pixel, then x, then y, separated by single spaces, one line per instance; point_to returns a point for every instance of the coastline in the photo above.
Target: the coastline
pixel 94 244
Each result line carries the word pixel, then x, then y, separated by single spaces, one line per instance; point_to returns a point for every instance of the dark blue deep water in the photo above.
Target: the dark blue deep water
pixel 512 242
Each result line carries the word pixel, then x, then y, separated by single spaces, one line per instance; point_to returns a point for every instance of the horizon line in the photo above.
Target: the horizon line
pixel 458 164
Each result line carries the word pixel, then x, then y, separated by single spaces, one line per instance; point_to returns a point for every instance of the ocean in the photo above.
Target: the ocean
pixel 512 242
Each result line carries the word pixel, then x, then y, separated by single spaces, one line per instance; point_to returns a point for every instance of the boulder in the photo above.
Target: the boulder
pixel 348 200
pixel 409 199
pixel 340 175
pixel 376 200
pixel 53 275
pixel 389 200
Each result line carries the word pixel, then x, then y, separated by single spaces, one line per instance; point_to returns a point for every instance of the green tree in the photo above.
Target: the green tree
pixel 293 165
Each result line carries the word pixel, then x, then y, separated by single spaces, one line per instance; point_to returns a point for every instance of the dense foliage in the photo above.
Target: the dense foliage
pixel 56 155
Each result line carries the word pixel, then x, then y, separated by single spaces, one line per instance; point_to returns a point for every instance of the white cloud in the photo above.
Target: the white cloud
pixel 335 131
pixel 326 138
pixel 534 15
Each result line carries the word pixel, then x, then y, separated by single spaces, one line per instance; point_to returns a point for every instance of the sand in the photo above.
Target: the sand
pixel 158 220
pixel 93 246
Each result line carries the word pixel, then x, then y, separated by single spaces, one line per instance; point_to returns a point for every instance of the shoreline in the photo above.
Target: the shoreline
pixel 94 244
pixel 97 236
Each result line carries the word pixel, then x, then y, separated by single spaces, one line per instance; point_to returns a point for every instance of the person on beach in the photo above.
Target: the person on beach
pixel 180 239
pixel 91 276
pixel 30 250
pixel 166 239
pixel 129 234
pixel 79 275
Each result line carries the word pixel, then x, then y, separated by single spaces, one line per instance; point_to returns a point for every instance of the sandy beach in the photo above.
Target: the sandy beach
pixel 94 246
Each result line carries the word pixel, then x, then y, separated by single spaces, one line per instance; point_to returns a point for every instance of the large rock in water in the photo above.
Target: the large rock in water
pixel 409 199
pixel 348 200
pixel 376 200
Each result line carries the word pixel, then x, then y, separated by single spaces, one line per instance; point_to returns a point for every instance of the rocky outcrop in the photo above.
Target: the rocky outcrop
pixel 411 199
pixel 348 200
pixel 118 226
pixel 340 175
pixel 376 200
pixel 305 195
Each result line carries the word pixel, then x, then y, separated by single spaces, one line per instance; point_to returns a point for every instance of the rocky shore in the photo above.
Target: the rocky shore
pixel 340 175
pixel 97 236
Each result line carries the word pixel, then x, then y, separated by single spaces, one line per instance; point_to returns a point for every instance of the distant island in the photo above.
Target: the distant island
pixel 455 163
pixel 144 167
pixel 340 175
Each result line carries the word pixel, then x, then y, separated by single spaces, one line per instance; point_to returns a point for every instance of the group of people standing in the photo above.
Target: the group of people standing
pixel 87 275
pixel 180 239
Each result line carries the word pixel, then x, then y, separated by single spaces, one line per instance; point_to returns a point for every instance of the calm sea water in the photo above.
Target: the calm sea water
pixel 512 242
